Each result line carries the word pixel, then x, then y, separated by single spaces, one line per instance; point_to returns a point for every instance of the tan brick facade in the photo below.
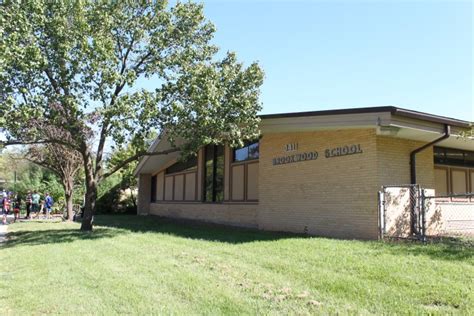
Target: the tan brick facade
pixel 244 215
pixel 317 172
pixel 393 162
pixel 326 196
pixel 144 189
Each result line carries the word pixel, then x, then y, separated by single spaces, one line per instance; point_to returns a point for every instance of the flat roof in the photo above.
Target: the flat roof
pixel 391 109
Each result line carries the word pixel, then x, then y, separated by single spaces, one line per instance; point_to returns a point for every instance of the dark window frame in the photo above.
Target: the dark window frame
pixel 246 147
pixel 441 156
pixel 153 187
pixel 182 166
pixel 217 185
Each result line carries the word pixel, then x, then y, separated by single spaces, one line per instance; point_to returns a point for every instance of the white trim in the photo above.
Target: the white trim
pixel 144 159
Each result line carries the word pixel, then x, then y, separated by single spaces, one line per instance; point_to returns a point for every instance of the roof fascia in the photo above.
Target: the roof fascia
pixel 389 109
pixel 144 159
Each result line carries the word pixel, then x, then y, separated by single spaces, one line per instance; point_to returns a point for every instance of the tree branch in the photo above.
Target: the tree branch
pixel 44 164
pixel 120 86
pixel 38 142
pixel 136 157
pixel 141 61
pixel 52 80
pixel 101 91
pixel 119 46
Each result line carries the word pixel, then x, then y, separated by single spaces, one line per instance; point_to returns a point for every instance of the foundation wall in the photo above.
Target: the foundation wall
pixel 244 215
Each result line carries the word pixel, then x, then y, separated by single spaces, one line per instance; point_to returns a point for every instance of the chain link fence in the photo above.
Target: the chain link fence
pixel 411 212
pixel 448 215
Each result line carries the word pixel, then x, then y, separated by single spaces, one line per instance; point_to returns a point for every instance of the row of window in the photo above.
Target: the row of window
pixel 181 166
pixel 213 175
pixel 454 171
pixel 175 187
pixel 453 180
pixel 214 169
pixel 249 152
pixel 455 157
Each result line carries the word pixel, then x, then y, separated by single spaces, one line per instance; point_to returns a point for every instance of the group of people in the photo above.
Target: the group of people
pixel 35 205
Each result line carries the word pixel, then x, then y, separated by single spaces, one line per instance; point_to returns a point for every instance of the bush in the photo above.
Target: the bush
pixel 115 197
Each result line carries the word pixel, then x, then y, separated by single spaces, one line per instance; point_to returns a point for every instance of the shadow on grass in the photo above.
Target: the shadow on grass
pixel 108 226
pixel 189 229
pixel 446 249
pixel 451 249
pixel 53 236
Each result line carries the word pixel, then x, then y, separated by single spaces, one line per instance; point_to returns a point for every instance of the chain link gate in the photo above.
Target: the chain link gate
pixel 401 212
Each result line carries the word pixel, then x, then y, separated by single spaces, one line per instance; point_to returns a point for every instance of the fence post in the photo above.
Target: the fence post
pixel 381 198
pixel 412 210
pixel 423 216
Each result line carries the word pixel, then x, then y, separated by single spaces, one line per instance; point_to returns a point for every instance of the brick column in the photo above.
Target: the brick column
pixel 144 194
pixel 227 170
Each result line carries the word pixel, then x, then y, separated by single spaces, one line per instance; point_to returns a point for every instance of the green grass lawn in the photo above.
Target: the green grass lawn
pixel 146 265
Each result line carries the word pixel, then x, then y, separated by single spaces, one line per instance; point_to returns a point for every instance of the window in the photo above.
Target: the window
pixel 454 157
pixel 213 173
pixel 153 188
pixel 442 181
pixel 244 173
pixel 453 180
pixel 181 166
pixel 249 152
pixel 459 181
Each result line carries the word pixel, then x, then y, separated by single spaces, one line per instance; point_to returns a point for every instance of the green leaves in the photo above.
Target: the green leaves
pixel 214 102
pixel 73 67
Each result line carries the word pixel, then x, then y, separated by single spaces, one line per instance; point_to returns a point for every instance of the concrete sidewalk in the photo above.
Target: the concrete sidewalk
pixel 3 233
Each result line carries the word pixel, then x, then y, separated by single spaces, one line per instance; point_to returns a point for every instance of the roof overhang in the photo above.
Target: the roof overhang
pixel 393 110
pixel 151 163
pixel 387 121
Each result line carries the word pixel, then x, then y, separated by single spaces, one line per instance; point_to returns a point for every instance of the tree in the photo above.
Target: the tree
pixel 118 193
pixel 71 66
pixel 61 160
pixel 128 181
pixel 29 176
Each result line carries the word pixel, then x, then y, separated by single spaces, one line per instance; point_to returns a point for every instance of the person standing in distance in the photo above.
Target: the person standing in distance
pixel 35 203
pixel 48 204
pixel 28 201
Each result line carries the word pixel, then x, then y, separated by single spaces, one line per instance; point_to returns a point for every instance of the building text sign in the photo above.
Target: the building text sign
pixel 313 155
pixel 343 151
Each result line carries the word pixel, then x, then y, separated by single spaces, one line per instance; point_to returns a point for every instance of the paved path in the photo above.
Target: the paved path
pixel 3 233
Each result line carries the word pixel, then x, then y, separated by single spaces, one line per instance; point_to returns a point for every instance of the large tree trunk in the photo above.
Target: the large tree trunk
pixel 68 193
pixel 91 192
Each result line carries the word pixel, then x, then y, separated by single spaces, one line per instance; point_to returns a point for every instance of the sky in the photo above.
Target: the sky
pixel 321 55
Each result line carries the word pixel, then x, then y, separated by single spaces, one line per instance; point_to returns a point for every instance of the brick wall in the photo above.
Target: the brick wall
pixel 393 157
pixel 334 197
pixel 244 215
pixel 144 194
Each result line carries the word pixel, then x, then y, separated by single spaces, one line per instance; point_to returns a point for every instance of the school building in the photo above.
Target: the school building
pixel 311 172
